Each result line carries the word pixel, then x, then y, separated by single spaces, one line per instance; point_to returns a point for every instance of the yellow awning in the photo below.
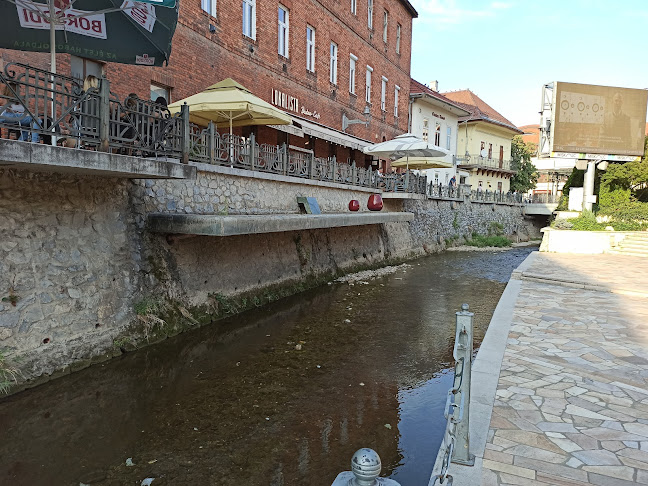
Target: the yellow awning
pixel 422 163
pixel 228 104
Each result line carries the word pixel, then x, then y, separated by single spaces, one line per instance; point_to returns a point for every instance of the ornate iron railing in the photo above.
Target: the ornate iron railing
pixel 487 162
pixel 36 105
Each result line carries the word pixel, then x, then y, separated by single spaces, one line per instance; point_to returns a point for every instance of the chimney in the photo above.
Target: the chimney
pixel 434 86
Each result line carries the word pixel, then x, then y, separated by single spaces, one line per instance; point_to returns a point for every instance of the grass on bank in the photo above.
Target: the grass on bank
pixel 8 374
pixel 482 241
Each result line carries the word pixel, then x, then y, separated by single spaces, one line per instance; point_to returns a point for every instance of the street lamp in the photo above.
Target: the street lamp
pixel 346 122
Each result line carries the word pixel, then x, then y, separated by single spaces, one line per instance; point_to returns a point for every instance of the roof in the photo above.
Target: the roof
pixel 410 8
pixel 417 88
pixel 531 133
pixel 479 109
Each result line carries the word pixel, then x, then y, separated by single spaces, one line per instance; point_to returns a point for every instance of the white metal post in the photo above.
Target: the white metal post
pixel 588 185
pixel 463 353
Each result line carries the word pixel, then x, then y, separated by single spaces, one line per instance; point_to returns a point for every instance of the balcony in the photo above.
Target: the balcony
pixel 479 162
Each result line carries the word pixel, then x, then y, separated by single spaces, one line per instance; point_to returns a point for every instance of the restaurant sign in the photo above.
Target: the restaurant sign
pixel 290 103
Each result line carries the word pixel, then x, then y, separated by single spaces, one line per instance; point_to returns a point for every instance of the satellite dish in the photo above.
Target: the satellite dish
pixel 484 153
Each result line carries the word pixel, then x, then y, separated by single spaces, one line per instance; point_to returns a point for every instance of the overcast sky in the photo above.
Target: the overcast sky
pixel 504 51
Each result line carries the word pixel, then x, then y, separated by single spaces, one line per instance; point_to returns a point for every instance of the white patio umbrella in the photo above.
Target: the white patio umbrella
pixel 406 145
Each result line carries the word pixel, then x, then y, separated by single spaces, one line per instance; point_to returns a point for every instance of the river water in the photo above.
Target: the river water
pixel 282 395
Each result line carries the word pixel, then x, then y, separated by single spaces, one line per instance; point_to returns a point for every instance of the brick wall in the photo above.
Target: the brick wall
pixel 200 58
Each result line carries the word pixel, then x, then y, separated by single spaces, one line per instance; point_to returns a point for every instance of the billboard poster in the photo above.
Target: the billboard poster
pixel 598 119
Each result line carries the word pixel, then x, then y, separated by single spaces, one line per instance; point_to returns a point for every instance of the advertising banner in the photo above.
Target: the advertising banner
pixel 598 119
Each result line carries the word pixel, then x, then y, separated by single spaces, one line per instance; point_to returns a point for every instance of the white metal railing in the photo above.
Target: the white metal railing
pixel 455 446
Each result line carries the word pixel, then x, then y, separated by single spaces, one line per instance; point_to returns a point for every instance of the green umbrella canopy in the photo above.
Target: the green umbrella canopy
pixel 121 31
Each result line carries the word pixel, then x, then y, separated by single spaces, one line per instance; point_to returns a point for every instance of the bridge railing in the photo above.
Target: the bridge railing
pixel 544 198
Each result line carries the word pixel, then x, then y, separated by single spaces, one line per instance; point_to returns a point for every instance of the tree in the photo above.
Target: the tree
pixel 525 177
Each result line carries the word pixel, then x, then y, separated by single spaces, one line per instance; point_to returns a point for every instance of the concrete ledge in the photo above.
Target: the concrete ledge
pixel 47 158
pixel 583 242
pixel 246 224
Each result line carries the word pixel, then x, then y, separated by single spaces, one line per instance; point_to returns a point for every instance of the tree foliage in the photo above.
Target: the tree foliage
pixel 631 178
pixel 526 175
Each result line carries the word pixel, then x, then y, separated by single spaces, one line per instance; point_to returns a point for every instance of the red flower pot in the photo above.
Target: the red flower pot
pixel 354 205
pixel 375 202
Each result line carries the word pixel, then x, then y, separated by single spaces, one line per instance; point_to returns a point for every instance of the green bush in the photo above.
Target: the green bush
pixel 481 241
pixel 563 224
pixel 629 211
pixel 587 222
pixel 629 225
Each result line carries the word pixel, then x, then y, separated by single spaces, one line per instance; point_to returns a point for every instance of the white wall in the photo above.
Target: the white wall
pixel 422 110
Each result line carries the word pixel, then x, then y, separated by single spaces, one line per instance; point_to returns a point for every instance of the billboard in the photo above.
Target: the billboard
pixel 598 119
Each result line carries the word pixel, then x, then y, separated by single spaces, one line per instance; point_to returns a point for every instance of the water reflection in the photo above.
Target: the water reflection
pixel 237 403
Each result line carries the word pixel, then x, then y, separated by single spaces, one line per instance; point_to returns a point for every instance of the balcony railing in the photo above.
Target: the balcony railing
pixel 487 162
pixel 39 106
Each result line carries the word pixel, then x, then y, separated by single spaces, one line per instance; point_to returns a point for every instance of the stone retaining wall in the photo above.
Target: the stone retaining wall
pixel 82 280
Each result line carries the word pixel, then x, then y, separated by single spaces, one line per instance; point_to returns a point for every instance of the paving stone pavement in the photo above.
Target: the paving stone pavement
pixel 571 402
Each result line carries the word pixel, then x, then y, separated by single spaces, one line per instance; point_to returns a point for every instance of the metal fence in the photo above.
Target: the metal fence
pixel 544 198
pixel 39 106
pixel 487 162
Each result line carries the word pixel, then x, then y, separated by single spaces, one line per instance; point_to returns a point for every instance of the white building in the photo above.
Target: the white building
pixel 434 118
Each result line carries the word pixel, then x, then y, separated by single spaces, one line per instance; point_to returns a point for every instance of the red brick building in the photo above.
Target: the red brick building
pixel 311 58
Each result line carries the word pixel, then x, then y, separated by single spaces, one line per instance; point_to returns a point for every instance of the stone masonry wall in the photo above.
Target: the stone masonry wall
pixel 68 267
pixel 78 267
pixel 223 190
pixel 437 223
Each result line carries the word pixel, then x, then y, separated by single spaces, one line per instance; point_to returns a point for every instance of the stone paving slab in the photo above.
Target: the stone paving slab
pixel 570 406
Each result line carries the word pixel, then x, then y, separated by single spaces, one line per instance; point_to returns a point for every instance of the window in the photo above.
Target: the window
pixel 283 31
pixel 398 38
pixel 437 135
pixel 249 18
pixel 396 93
pixel 490 150
pixel 310 49
pixel 209 6
pixel 352 73
pixel 333 68
pixel 426 127
pixel 385 21
pixel 354 6
pixel 82 67
pixel 368 85
pixel 370 14
pixel 383 93
pixel 163 91
pixel 448 137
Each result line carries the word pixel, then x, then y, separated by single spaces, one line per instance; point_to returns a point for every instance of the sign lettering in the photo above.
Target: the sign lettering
pixel 142 13
pixel 91 25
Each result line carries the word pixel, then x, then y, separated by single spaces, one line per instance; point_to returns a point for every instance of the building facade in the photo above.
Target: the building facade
pixel 435 119
pixel 318 60
pixel 484 143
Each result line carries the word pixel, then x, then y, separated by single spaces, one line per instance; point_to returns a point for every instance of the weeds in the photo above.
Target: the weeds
pixel 481 241
pixel 8 375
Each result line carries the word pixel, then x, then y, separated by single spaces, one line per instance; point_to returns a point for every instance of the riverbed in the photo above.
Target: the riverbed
pixel 281 395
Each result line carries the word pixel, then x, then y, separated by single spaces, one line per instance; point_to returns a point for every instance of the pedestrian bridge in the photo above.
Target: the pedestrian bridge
pixel 541 204
pixel 540 209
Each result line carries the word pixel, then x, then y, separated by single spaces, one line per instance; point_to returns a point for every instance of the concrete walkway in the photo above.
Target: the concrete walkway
pixel 560 383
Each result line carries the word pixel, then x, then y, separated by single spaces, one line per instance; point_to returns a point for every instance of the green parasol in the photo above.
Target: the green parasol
pixel 123 31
